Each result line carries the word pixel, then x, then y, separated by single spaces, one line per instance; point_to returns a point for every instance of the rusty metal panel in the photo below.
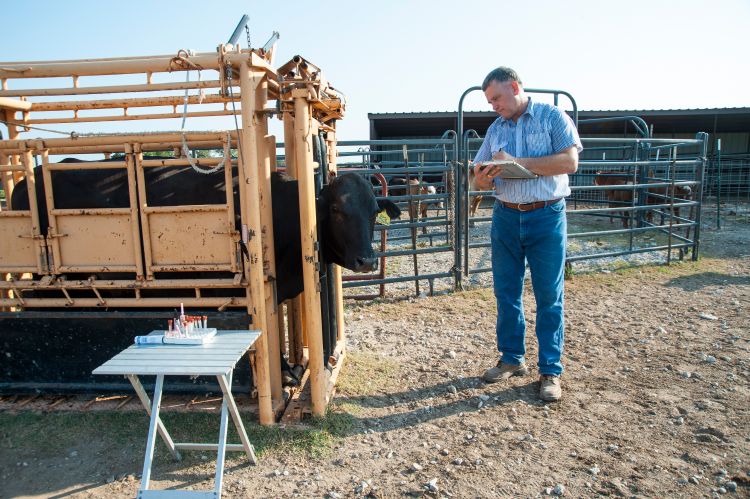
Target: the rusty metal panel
pixel 95 242
pixel 190 240
pixel 17 248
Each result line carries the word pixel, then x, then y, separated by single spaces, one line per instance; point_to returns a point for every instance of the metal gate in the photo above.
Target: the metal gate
pixel 419 176
pixel 650 201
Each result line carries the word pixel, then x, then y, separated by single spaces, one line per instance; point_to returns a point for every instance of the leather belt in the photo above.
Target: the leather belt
pixel 529 206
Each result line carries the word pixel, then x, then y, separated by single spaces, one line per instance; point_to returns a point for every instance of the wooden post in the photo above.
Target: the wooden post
pixel 309 228
pixel 269 256
pixel 251 217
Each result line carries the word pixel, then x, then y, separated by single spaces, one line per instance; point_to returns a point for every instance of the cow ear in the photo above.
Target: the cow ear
pixel 389 207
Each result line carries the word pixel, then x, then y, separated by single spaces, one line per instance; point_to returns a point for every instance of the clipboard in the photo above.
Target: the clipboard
pixel 511 169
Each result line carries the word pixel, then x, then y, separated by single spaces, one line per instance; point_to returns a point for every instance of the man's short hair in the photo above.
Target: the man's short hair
pixel 501 74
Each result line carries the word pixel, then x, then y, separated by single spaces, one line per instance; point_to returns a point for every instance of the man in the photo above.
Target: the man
pixel 528 223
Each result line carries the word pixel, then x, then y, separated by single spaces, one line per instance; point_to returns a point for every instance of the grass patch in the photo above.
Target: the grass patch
pixel 28 434
pixel 367 374
pixel 55 432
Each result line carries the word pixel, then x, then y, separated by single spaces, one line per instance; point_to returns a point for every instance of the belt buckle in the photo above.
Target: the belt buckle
pixel 531 207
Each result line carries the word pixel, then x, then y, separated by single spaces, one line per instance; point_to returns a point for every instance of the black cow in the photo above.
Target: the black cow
pixel 346 210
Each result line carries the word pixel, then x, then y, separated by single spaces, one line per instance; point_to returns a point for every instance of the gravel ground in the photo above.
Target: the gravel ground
pixel 656 400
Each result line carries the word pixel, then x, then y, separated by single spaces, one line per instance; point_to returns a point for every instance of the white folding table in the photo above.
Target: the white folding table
pixel 217 358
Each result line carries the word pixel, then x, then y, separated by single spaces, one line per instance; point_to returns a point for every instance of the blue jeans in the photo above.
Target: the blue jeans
pixel 539 237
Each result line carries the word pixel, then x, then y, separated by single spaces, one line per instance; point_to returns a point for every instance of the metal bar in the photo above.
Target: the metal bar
pixel 700 177
pixel 140 175
pixel 148 163
pixel 143 397
pixel 649 228
pixel 129 65
pixel 151 439
pixel 221 450
pixel 238 30
pixel 626 140
pixel 213 447
pixel 128 117
pixel 203 302
pixel 122 284
pixel 422 251
pixel 171 100
pixel 134 219
pixel 110 89
pixel 186 208
pixel 388 280
pixel 718 184
pixel 627 252
pixel 191 267
pixel 383 152
pixel 556 93
pixel 599 163
pixel 393 142
pixel 231 213
pixel 12 168
pixel 226 387
pixel 85 211
pixel 109 140
pixel 392 170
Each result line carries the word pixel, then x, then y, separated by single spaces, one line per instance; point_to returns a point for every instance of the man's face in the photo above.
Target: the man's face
pixel 503 97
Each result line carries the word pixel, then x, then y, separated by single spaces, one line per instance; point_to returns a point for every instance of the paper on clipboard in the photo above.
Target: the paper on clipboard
pixel 510 169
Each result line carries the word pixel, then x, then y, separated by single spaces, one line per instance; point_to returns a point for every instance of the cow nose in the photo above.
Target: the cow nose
pixel 365 264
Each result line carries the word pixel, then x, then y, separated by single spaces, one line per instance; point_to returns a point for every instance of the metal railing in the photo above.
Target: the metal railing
pixel 653 207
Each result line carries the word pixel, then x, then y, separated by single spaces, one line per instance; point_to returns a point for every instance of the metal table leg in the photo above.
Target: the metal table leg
pixel 159 425
pixel 151 440
pixel 226 387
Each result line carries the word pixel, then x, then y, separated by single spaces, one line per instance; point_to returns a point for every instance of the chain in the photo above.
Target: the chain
pixel 247 31
pixel 185 148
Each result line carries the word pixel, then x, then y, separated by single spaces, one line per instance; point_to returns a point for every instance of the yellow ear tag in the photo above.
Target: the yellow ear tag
pixel 383 218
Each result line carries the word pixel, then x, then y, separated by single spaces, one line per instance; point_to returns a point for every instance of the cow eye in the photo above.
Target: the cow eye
pixel 335 209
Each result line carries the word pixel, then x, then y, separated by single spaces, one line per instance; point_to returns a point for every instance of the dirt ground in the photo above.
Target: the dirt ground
pixel 656 403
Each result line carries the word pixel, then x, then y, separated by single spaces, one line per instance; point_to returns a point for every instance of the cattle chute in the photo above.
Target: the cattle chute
pixel 139 258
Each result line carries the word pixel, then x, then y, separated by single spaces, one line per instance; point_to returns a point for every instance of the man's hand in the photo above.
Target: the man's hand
pixel 484 176
pixel 503 156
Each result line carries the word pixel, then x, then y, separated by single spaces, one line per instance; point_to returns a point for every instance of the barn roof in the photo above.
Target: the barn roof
pixel 434 123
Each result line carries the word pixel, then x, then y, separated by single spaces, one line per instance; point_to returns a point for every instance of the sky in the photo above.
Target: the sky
pixel 420 56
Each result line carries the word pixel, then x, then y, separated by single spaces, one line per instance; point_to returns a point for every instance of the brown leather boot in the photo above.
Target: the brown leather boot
pixel 549 388
pixel 503 371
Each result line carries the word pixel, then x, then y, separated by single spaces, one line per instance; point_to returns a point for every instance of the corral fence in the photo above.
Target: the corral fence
pixel 727 187
pixel 630 196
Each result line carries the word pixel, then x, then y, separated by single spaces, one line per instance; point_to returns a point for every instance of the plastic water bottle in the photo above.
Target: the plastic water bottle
pixel 154 339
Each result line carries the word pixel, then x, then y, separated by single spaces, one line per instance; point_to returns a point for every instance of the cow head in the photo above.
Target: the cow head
pixel 346 212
